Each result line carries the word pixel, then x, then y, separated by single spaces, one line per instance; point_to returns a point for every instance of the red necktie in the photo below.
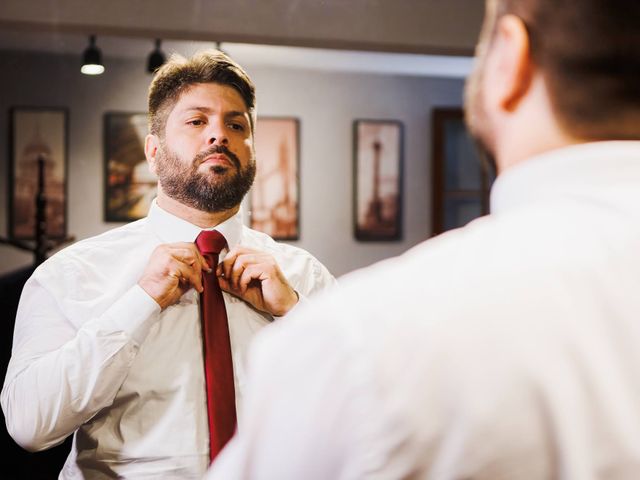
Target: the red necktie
pixel 218 366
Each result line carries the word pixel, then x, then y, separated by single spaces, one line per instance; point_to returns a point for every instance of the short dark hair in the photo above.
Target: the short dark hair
pixel 179 73
pixel 589 53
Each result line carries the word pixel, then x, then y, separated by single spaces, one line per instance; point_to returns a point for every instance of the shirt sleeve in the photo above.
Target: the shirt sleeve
pixel 322 279
pixel 310 281
pixel 59 375
pixel 310 277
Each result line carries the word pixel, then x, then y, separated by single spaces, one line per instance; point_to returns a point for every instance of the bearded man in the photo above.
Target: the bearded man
pixel 125 339
pixel 507 349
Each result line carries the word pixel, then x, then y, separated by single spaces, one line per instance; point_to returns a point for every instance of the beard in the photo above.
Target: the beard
pixel 213 191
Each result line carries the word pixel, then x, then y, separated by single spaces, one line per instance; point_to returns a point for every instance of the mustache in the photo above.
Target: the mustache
pixel 217 149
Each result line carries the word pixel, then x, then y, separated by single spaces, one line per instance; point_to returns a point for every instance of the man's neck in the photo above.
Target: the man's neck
pixel 193 215
pixel 532 130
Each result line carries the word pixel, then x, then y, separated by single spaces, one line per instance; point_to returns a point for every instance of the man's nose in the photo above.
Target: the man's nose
pixel 216 134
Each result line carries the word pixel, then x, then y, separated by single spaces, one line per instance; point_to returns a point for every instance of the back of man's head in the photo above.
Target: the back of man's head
pixel 589 54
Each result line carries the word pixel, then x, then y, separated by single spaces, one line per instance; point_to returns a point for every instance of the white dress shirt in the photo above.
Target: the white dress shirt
pixel 508 349
pixel 94 354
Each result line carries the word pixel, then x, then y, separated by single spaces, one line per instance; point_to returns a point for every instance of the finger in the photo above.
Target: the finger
pixel 192 263
pixel 194 276
pixel 224 285
pixel 240 250
pixel 252 273
pixel 197 280
pixel 245 261
pixel 199 258
pixel 188 276
pixel 236 271
pixel 174 275
pixel 185 252
pixel 202 261
pixel 226 265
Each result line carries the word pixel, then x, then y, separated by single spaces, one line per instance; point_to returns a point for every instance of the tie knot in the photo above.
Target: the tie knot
pixel 210 241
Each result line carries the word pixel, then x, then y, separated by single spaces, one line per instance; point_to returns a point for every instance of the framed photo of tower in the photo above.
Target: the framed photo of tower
pixel 38 172
pixel 377 174
pixel 129 185
pixel 275 195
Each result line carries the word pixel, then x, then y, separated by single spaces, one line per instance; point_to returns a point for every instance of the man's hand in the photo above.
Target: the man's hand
pixel 256 278
pixel 172 270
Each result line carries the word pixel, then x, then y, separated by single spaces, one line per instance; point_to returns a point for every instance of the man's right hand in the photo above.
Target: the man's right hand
pixel 172 270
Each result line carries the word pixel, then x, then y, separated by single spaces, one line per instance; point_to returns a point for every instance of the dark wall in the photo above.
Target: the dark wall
pixel 18 464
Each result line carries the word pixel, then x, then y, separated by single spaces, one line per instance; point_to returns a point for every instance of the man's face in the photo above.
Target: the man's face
pixel 206 159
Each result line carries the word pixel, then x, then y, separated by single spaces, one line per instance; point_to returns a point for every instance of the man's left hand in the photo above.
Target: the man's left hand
pixel 256 278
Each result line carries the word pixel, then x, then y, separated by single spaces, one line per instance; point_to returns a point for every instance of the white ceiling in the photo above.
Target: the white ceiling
pixel 248 54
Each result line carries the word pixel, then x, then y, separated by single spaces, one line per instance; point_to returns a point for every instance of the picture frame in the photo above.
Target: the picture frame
pixel 378 158
pixel 38 136
pixel 129 185
pixel 275 194
pixel 461 176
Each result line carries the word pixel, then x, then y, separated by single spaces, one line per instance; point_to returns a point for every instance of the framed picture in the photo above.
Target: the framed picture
pixel 38 144
pixel 462 179
pixel 377 173
pixel 275 193
pixel 129 184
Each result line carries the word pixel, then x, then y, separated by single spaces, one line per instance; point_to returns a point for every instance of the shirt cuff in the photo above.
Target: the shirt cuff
pixel 134 313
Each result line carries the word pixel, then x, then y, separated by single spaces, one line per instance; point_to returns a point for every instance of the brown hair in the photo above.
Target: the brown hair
pixel 589 53
pixel 179 73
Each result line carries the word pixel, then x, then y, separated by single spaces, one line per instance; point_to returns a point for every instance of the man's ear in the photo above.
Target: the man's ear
pixel 151 145
pixel 513 66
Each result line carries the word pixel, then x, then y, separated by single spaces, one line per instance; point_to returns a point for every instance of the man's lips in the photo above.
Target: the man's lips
pixel 218 159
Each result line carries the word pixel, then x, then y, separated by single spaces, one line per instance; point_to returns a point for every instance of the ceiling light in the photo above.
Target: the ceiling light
pixel 92 59
pixel 156 58
pixel 219 48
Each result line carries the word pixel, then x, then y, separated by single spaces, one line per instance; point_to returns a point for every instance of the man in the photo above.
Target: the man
pixel 109 342
pixel 508 349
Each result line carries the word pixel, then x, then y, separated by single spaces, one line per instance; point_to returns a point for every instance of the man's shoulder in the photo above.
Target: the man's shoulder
pixel 447 278
pixel 116 244
pixel 449 295
pixel 302 269
pixel 261 241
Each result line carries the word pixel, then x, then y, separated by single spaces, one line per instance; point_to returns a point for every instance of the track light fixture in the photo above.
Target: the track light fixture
pixel 156 58
pixel 219 48
pixel 92 59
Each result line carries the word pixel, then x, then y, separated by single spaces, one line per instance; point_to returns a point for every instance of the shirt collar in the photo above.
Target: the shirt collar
pixel 587 167
pixel 170 228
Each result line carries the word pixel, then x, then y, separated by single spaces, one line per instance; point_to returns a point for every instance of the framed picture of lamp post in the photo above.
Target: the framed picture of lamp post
pixel 377 174
pixel 37 171
pixel 275 195
pixel 129 185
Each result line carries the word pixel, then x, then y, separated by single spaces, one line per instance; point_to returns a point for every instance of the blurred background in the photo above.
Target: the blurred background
pixel 323 66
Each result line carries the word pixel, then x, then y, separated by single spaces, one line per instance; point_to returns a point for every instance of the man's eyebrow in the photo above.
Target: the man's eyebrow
pixel 197 109
pixel 232 113
pixel 235 113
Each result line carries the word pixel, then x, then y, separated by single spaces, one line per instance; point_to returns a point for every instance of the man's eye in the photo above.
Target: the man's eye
pixel 196 123
pixel 236 126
